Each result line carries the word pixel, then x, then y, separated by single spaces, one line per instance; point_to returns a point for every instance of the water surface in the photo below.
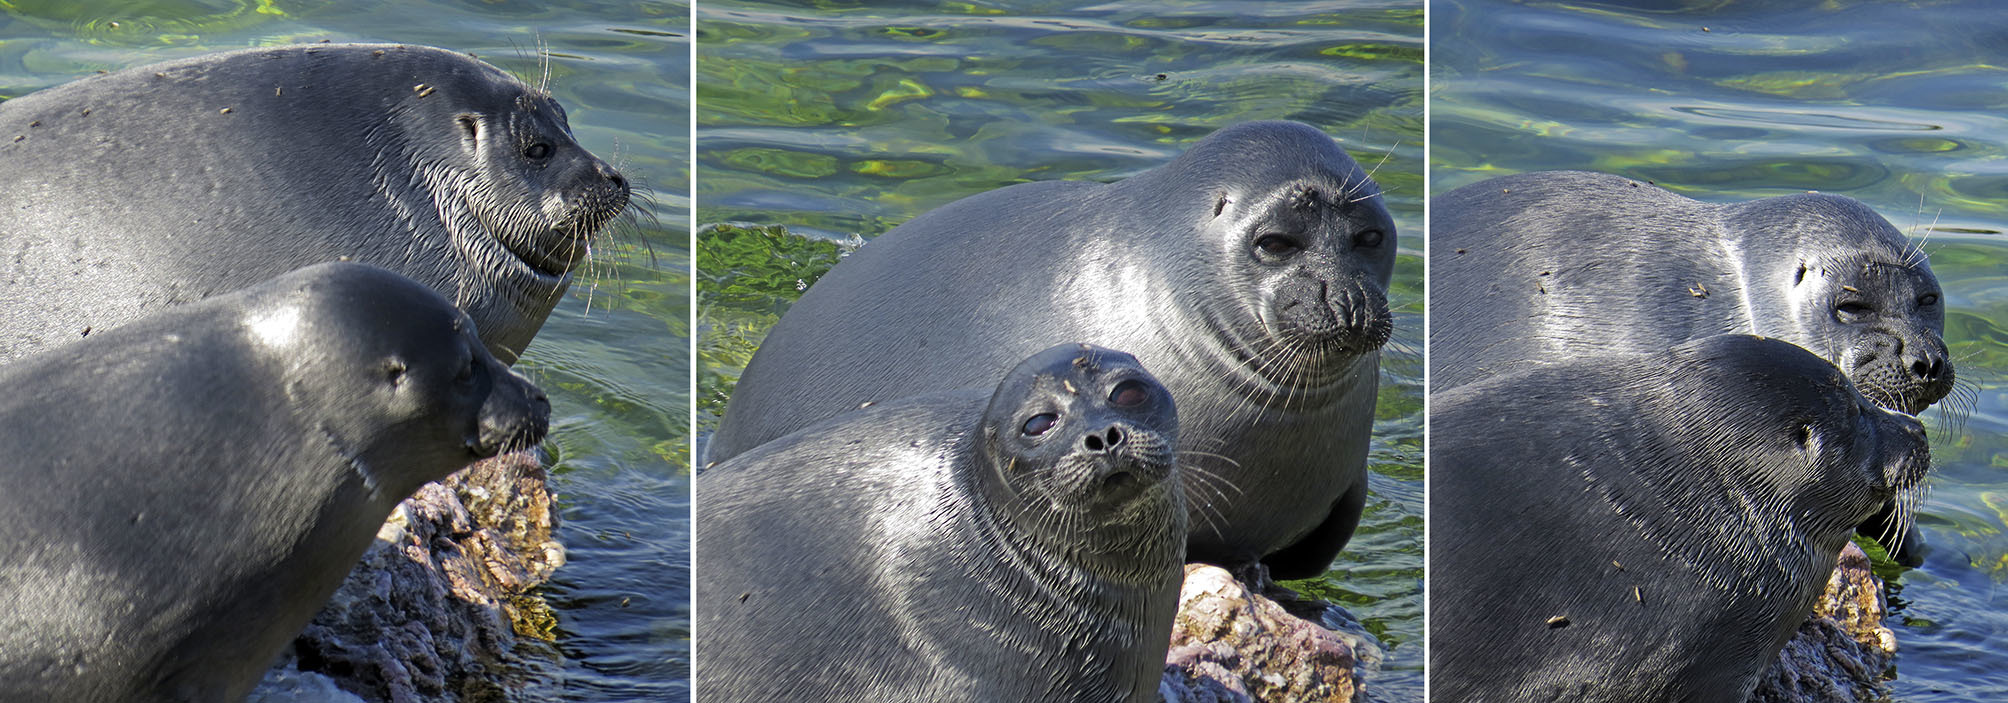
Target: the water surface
pixel 613 356
pixel 1895 104
pixel 833 122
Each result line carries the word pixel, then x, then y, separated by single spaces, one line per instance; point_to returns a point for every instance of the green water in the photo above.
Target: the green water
pixel 826 123
pixel 613 357
pixel 1896 104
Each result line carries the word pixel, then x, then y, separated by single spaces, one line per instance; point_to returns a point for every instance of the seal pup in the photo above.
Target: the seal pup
pixel 1021 544
pixel 129 192
pixel 180 495
pixel 1250 274
pixel 1543 266
pixel 1646 527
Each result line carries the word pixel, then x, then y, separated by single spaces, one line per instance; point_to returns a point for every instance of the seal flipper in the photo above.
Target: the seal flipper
pixel 1909 551
pixel 1313 554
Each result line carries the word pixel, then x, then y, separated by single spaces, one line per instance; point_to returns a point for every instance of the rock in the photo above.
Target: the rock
pixel 440 608
pixel 1840 653
pixel 1231 645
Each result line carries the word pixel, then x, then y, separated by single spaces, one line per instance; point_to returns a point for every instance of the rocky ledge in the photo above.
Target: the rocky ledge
pixel 441 607
pixel 1841 653
pixel 1230 645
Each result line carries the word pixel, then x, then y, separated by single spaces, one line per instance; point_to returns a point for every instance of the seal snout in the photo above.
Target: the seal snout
pixel 514 417
pixel 1899 373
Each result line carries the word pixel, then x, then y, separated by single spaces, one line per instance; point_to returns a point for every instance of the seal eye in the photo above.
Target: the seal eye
pixel 1853 309
pixel 538 150
pixel 1927 300
pixel 1369 238
pixel 1129 394
pixel 1278 245
pixel 1040 423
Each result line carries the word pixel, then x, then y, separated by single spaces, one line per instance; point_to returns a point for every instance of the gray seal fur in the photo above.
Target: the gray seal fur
pixel 1646 527
pixel 1017 544
pixel 1539 267
pixel 133 191
pixel 1249 274
pixel 180 495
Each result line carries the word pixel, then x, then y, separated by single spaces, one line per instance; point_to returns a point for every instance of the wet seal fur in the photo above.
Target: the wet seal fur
pixel 1646 527
pixel 1250 274
pixel 149 187
pixel 1537 267
pixel 1019 544
pixel 181 494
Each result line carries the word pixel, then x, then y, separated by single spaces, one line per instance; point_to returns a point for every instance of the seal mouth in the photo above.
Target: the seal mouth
pixel 1889 378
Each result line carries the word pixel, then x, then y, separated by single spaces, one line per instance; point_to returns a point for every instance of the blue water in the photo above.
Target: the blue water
pixel 613 357
pixel 1895 104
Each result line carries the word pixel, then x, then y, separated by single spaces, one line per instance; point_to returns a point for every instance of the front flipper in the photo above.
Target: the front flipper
pixel 1313 554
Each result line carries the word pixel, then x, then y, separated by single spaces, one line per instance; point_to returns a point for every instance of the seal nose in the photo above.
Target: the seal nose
pixel 608 173
pixel 515 416
pixel 1106 441
pixel 1927 364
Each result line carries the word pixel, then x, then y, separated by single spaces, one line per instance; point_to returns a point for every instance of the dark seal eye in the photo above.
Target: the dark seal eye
pixel 1129 394
pixel 1927 300
pixel 1369 238
pixel 1853 309
pixel 1278 245
pixel 538 150
pixel 1040 423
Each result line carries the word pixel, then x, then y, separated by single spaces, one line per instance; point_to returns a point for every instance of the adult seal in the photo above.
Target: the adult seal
pixel 181 494
pixel 1646 527
pixel 1021 544
pixel 1543 266
pixel 129 192
pixel 1249 274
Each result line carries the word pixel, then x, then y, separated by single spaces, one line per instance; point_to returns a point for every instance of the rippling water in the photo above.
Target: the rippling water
pixel 839 122
pixel 1896 104
pixel 613 357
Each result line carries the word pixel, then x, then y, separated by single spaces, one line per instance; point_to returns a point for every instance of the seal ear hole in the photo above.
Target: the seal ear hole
pixel 1803 435
pixel 1800 276
pixel 1927 300
pixel 1040 423
pixel 1220 206
pixel 470 128
pixel 394 371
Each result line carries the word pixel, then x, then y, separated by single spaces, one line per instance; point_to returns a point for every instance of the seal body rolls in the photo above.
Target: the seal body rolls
pixel 133 191
pixel 1249 274
pixel 1021 544
pixel 178 496
pixel 1646 527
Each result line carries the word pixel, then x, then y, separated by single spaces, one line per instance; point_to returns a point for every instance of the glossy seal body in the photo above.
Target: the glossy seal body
pixel 133 191
pixel 1538 267
pixel 1646 527
pixel 178 496
pixel 1249 274
pixel 1021 544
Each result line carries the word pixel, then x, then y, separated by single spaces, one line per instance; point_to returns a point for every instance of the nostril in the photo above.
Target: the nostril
pixel 1115 436
pixel 1093 443
pixel 617 179
pixel 1927 369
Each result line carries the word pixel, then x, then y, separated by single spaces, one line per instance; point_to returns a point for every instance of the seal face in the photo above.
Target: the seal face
pixel 1018 544
pixel 1542 266
pixel 1250 274
pixel 277 428
pixel 167 183
pixel 1669 519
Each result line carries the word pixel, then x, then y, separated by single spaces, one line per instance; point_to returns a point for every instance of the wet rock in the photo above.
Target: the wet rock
pixel 440 609
pixel 1840 653
pixel 1229 644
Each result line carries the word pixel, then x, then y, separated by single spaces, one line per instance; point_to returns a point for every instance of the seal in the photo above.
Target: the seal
pixel 1543 266
pixel 141 189
pixel 1011 545
pixel 1249 273
pixel 182 493
pixel 1647 527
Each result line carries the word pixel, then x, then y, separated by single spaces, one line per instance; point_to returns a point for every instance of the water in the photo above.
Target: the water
pixel 1895 104
pixel 613 357
pixel 836 122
